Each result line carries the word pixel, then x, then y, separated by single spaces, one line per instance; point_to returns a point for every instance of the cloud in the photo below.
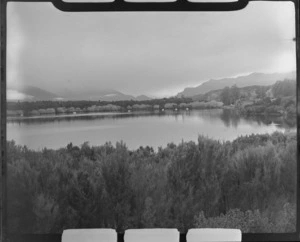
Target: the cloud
pixel 15 45
pixel 13 95
pixel 145 53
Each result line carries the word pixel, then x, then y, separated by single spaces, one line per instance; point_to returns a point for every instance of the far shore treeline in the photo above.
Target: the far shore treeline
pixel 249 183
pixel 278 99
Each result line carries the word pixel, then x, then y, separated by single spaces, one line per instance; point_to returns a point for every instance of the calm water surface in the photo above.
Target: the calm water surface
pixel 138 129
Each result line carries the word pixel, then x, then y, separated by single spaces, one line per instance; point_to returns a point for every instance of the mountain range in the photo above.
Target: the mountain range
pixel 32 93
pixel 110 95
pixel 260 79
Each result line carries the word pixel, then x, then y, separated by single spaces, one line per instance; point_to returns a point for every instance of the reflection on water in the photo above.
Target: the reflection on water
pixel 231 118
pixel 139 128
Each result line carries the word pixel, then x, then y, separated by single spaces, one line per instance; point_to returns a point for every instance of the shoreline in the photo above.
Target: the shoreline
pixel 12 118
pixel 156 149
pixel 87 114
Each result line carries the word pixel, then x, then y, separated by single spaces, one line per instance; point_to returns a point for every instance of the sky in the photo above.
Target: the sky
pixel 155 54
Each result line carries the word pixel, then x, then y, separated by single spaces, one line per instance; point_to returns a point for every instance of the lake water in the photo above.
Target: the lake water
pixel 138 129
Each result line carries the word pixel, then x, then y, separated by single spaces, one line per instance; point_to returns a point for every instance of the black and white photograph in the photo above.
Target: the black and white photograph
pixel 140 120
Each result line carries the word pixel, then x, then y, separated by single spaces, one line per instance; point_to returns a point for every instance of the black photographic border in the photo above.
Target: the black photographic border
pixel 122 6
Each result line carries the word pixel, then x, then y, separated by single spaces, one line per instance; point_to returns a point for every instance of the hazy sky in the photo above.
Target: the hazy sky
pixel 144 53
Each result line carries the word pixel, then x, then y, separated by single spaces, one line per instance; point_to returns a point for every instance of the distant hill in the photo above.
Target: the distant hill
pixel 259 79
pixel 244 91
pixel 108 95
pixel 142 98
pixel 30 93
pixel 283 88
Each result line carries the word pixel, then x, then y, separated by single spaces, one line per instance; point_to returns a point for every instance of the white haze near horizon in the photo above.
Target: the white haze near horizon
pixel 156 54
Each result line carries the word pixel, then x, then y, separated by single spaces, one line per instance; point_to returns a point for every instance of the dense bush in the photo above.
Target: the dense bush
pixel 276 106
pixel 249 183
pixel 252 221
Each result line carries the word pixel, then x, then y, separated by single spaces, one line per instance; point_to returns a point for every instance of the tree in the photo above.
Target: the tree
pixel 116 174
pixel 225 96
pixel 234 94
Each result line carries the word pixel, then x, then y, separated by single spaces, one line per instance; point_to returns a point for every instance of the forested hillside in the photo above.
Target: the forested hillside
pixel 257 79
pixel 249 183
pixel 280 99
